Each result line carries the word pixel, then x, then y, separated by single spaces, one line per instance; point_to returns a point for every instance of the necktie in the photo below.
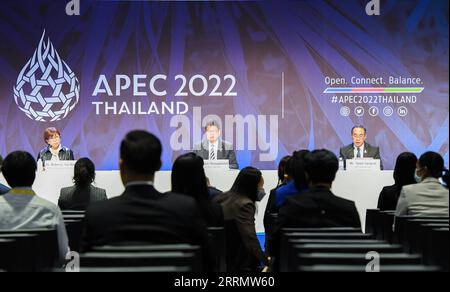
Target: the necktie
pixel 212 154
pixel 358 152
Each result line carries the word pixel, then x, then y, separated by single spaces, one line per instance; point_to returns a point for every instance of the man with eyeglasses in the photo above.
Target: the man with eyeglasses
pixel 360 148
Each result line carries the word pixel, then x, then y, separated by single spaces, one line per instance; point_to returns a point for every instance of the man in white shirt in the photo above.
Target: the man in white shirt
pixel 21 208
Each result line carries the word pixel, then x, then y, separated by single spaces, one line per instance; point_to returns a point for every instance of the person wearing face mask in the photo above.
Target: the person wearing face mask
pixel 54 151
pixel 244 251
pixel 428 197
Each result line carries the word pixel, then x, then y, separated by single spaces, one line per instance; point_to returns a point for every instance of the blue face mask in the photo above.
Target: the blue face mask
pixel 416 177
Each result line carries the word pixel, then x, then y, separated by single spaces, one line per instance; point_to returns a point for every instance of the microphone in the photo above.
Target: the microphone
pixel 41 156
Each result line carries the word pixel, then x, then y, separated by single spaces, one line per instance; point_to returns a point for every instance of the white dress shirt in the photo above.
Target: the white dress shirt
pixel 55 154
pixel 216 146
pixel 361 151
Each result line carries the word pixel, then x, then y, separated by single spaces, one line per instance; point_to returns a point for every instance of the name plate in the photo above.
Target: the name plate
pixel 61 164
pixel 219 164
pixel 363 164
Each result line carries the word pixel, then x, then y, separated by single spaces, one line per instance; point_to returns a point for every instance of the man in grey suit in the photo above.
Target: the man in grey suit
pixel 360 148
pixel 214 148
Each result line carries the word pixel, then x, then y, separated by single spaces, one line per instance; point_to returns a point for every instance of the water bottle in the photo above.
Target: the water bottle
pixel 341 164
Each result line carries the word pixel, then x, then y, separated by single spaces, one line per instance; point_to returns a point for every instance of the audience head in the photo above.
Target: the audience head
pixel 431 164
pixel 359 135
pixel 298 169
pixel 140 156
pixel 249 183
pixel 84 172
pixel 19 169
pixel 188 176
pixel 321 167
pixel 288 170
pixel 52 137
pixel 1 161
pixel 282 177
pixel 404 169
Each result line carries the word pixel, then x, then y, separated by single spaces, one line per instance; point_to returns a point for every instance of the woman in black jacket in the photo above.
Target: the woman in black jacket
pixel 244 252
pixel 405 166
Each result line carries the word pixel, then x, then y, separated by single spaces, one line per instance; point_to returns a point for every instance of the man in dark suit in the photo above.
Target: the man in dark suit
pixel 142 214
pixel 214 148
pixel 318 207
pixel 3 189
pixel 360 148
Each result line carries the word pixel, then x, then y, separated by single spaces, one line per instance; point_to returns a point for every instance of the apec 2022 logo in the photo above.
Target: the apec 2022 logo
pixel 47 89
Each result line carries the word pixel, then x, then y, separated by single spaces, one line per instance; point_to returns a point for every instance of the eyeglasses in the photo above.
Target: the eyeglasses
pixel 54 138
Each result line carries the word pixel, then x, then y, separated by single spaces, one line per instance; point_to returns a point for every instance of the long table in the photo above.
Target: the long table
pixel 363 187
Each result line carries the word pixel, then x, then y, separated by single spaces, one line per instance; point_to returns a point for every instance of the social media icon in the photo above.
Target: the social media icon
pixel 345 111
pixel 402 111
pixel 388 111
pixel 359 111
pixel 373 111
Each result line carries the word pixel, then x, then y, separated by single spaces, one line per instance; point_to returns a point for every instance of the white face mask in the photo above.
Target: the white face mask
pixel 416 177
pixel 261 194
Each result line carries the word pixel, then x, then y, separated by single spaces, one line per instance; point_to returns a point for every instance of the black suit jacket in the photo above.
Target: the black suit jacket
pixel 225 151
pixel 64 154
pixel 244 251
pixel 144 215
pixel 388 198
pixel 347 152
pixel 76 198
pixel 316 208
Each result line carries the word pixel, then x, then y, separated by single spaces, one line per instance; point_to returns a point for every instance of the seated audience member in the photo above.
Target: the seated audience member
pixel 244 252
pixel 298 184
pixel 79 196
pixel 428 197
pixel 188 178
pixel 142 214
pixel 405 167
pixel 21 208
pixel 318 207
pixel 3 189
pixel 283 179
pixel 212 191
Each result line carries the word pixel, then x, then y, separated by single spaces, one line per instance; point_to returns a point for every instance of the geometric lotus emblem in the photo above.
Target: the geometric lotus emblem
pixel 46 88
